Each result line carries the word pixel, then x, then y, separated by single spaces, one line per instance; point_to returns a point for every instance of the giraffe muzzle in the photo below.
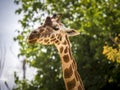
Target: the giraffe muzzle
pixel 33 37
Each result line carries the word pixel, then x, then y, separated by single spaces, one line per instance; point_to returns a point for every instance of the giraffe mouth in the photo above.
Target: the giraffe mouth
pixel 32 41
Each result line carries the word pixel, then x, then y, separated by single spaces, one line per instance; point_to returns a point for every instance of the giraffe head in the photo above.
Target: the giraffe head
pixel 51 32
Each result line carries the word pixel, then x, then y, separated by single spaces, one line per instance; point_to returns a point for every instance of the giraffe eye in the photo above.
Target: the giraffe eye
pixel 56 28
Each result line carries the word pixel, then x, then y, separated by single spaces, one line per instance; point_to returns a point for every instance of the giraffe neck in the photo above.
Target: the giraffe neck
pixel 71 76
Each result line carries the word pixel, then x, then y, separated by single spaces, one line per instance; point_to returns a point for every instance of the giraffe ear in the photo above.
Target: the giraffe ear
pixel 72 32
pixel 48 22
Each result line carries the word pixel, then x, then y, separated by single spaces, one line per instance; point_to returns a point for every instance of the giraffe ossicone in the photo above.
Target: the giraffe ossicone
pixel 54 32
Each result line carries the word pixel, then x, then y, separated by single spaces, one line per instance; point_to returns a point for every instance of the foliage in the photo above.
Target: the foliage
pixel 113 53
pixel 96 20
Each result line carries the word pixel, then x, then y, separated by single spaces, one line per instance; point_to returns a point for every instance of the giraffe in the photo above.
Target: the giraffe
pixel 53 32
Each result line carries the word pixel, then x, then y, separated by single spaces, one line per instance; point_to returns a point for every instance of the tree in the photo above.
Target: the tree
pixel 97 21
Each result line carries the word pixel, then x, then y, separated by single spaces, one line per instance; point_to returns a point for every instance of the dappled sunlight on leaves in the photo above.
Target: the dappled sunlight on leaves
pixel 111 53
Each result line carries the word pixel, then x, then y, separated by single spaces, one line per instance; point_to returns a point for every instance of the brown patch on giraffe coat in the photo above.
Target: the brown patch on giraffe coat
pixel 79 87
pixel 61 49
pixel 53 36
pixel 53 39
pixel 66 50
pixel 66 58
pixel 46 40
pixel 59 37
pixel 56 41
pixel 71 84
pixel 64 42
pixel 68 72
pixel 40 40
